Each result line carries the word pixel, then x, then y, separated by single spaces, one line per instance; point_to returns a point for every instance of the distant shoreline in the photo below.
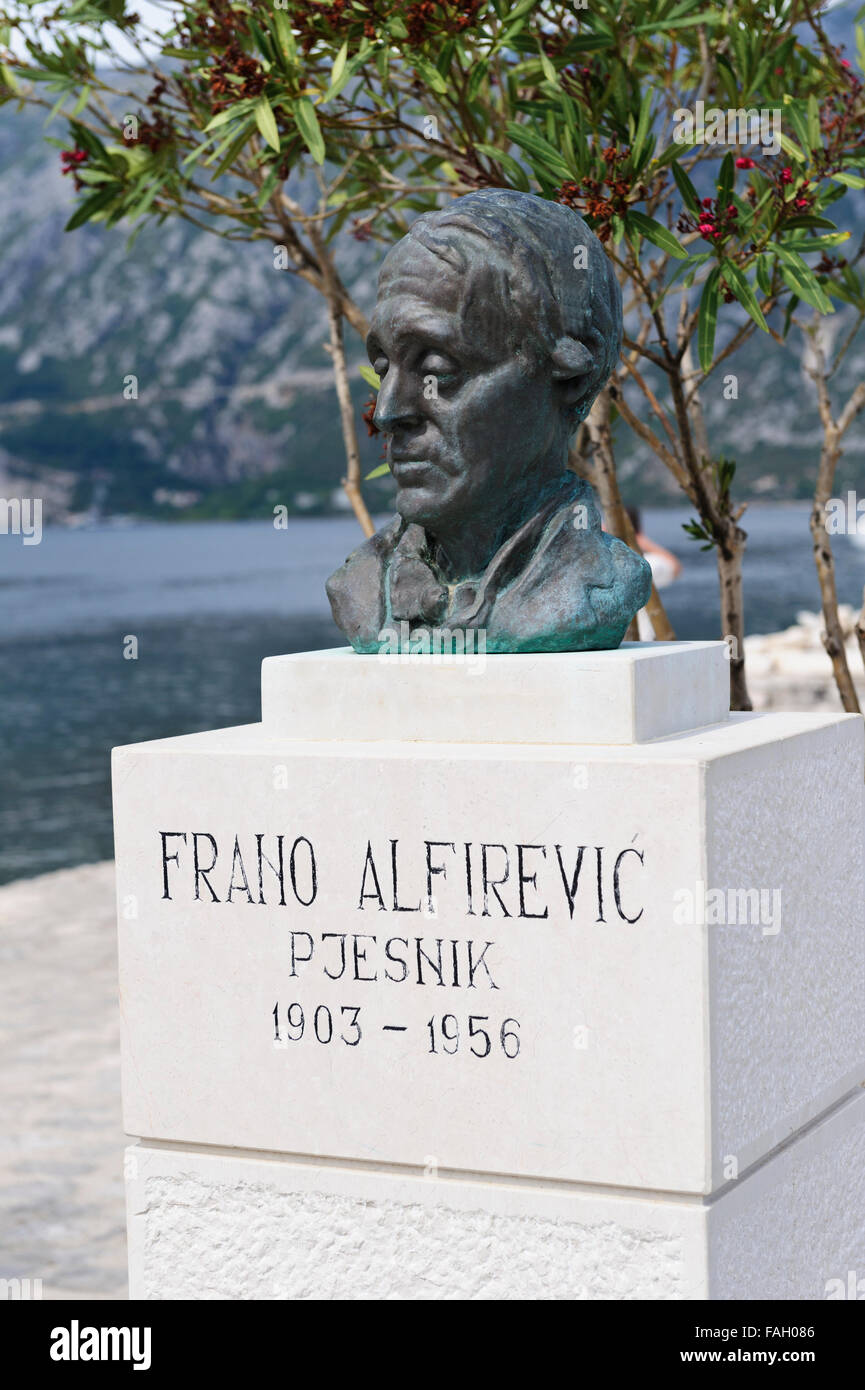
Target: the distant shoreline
pixel 116 521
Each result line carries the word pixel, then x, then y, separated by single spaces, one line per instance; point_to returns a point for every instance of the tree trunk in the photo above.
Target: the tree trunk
pixel 833 636
pixel 833 433
pixel 730 554
pixel 352 481
pixel 860 630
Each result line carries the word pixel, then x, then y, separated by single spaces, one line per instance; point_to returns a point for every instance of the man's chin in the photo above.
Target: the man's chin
pixel 420 505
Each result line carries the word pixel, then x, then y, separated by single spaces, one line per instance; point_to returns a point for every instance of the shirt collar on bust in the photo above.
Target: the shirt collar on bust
pixel 419 593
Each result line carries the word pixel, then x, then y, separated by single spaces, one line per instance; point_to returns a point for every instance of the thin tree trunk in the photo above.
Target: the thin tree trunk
pixel 860 630
pixel 352 481
pixel 730 539
pixel 730 555
pixel 833 636
pixel 833 433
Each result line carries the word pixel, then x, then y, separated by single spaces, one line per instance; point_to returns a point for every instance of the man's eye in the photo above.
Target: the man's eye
pixel 436 365
pixel 380 366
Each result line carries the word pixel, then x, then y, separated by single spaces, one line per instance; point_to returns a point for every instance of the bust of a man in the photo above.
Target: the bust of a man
pixel 498 321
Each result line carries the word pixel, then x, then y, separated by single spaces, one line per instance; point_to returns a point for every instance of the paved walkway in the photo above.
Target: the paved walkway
pixel 62 1216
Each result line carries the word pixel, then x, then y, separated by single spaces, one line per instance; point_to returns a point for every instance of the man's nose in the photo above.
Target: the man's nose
pixel 396 406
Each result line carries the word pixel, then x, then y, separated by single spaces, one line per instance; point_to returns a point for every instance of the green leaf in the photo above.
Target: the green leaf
pixel 791 148
pixel 725 179
pixel 479 72
pixel 446 57
pixel 814 137
pixel 764 274
pixel 540 149
pixel 262 42
pixel 88 140
pixel 430 74
pixel 345 76
pixel 339 63
pixel 798 119
pixel 515 172
pixel 240 108
pixel 851 180
pixel 81 102
pixel 809 220
pixel 549 71
pixel 828 195
pixel 266 122
pixel 268 187
pixel 516 17
pixel 743 292
pixel 685 187
pixel 849 296
pixel 286 44
pixel 817 243
pixel 688 269
pixel 642 127
pixel 654 232
pixel 95 176
pixel 227 152
pixel 310 130
pixel 674 151
pixel 792 306
pixel 379 472
pixel 96 203
pixel 137 210
pixel 708 319
pixel 660 26
pixel 370 375
pixel 802 280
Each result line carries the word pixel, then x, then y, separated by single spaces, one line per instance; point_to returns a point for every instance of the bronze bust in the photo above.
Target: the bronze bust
pixel 498 320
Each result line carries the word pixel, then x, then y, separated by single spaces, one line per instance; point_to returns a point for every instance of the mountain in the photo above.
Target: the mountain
pixel 235 406
pixel 235 410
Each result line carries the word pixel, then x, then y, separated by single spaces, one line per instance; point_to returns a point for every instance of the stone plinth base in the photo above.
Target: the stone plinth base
pixel 617 697
pixel 608 987
pixel 218 1226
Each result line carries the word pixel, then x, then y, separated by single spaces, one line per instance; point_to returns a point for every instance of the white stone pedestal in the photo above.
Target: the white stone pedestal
pixel 495 977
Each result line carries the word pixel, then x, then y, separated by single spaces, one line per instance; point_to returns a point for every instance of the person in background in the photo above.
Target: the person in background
pixel 665 566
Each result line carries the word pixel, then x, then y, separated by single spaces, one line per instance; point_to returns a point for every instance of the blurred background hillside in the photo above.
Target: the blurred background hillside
pixel 236 408
pixel 236 411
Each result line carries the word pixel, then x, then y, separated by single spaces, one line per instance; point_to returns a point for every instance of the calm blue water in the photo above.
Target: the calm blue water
pixel 206 603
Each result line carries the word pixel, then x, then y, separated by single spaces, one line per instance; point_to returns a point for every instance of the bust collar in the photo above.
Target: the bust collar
pixel 419 593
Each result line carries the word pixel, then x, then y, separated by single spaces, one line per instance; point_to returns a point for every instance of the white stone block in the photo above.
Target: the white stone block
pixel 218 1226
pixel 643 690
pixel 657 1054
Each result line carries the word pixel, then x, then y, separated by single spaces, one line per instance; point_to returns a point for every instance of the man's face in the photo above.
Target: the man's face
pixel 465 422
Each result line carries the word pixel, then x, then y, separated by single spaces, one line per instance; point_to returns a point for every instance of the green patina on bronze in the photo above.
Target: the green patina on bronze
pixel 498 321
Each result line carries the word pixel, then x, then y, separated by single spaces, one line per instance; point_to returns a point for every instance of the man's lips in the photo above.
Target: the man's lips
pixel 409 470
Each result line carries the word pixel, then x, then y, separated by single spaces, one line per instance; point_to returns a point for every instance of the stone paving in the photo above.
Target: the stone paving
pixel 62 1217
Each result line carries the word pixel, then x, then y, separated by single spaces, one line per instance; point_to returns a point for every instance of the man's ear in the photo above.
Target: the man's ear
pixel 572 363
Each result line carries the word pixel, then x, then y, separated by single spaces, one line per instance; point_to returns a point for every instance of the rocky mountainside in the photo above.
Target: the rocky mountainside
pixel 235 405
pixel 235 410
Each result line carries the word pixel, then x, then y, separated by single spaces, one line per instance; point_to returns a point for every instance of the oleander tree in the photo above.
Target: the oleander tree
pixel 837 413
pixel 307 122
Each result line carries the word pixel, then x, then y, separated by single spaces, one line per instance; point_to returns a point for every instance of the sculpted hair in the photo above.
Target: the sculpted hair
pixel 524 292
